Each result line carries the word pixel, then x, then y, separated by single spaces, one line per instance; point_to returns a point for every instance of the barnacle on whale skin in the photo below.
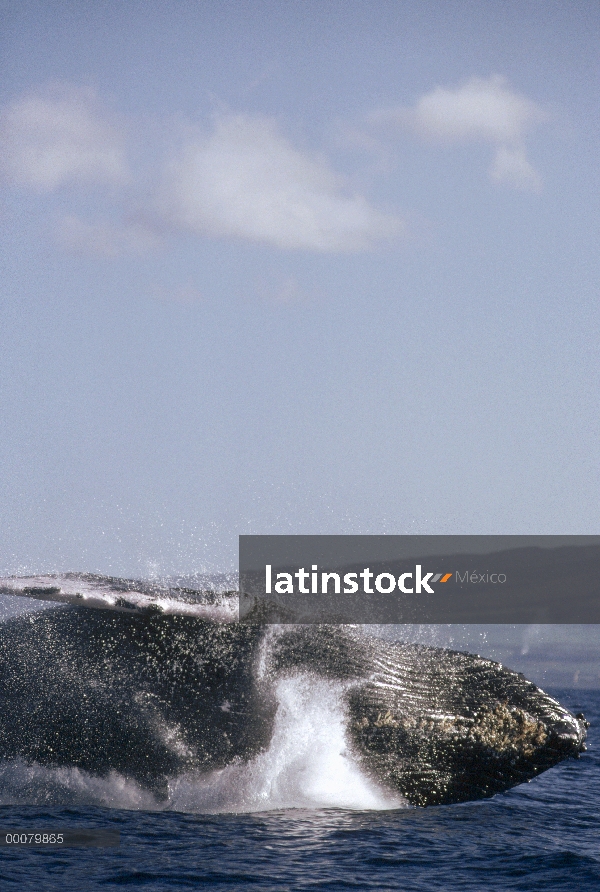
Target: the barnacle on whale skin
pixel 504 729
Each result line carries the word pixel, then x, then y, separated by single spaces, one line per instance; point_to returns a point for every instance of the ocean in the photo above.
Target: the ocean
pixel 541 835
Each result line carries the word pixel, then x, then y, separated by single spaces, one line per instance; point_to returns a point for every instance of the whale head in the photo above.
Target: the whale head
pixel 444 727
pixel 436 725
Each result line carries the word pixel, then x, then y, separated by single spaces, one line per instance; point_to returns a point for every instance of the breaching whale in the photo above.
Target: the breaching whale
pixel 153 686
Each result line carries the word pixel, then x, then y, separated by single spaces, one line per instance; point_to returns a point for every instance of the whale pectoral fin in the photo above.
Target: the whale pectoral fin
pixel 123 595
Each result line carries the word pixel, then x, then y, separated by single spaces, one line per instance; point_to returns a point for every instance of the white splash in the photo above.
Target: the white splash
pixel 307 765
pixel 27 784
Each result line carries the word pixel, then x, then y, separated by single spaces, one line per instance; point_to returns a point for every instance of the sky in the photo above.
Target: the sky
pixel 294 267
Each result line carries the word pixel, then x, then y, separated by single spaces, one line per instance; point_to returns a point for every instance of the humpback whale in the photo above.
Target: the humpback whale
pixel 163 681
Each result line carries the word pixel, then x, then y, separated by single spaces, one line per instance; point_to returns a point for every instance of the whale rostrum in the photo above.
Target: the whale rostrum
pixel 153 695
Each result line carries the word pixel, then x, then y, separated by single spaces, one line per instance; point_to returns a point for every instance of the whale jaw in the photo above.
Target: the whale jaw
pixel 443 727
pixel 436 725
pixel 439 761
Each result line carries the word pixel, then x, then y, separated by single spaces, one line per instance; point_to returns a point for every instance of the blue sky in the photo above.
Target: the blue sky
pixel 294 267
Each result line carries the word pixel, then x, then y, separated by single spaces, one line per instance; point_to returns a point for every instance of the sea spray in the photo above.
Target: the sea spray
pixel 307 765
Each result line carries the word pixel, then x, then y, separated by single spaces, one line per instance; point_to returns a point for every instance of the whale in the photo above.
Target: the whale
pixel 154 682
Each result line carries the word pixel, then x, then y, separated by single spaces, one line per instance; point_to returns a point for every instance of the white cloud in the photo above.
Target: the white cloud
pixel 512 167
pixel 60 137
pixel 481 110
pixel 186 295
pixel 282 290
pixel 247 181
pixel 105 238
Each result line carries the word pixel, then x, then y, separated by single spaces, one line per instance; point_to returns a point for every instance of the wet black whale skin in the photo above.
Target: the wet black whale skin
pixel 153 696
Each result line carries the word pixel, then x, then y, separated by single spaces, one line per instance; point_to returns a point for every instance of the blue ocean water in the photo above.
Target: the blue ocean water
pixel 544 835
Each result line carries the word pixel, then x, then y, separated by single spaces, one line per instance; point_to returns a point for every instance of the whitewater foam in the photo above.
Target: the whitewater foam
pixel 307 765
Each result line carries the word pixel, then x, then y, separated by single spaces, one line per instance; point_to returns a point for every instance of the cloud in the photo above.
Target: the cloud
pixel 105 238
pixel 60 137
pixel 186 295
pixel 246 180
pixel 480 110
pixel 281 290
pixel 242 180
pixel 512 167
